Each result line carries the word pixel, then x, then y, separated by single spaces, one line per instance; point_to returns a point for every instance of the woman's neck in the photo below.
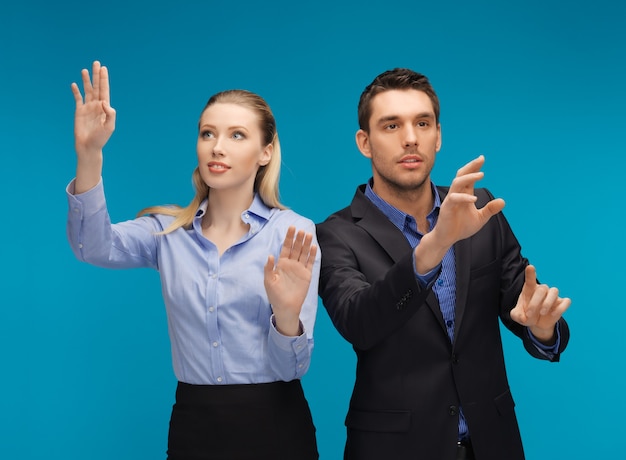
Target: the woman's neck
pixel 222 223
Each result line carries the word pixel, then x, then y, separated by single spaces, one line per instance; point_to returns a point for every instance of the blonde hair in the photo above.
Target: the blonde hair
pixel 266 181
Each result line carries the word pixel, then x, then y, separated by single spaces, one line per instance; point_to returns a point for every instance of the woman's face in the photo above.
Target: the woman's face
pixel 230 147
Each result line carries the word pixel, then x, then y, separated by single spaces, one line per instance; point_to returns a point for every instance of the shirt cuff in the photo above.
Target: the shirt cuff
pixel 288 343
pixel 428 279
pixel 546 350
pixel 92 200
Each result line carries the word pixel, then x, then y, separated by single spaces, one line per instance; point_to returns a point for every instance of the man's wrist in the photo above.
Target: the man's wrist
pixel 545 336
pixel 428 254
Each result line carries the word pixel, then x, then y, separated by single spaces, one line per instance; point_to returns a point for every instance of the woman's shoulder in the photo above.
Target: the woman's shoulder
pixel 289 217
pixel 157 217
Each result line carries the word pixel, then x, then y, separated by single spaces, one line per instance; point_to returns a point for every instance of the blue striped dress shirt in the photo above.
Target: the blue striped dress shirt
pixel 444 285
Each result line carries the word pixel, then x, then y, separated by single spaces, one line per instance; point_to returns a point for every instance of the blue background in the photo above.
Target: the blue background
pixel 535 86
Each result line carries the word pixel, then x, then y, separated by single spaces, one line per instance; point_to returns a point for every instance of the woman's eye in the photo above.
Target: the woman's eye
pixel 238 135
pixel 206 134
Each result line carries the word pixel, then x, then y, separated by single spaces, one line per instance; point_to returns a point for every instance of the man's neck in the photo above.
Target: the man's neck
pixel 417 202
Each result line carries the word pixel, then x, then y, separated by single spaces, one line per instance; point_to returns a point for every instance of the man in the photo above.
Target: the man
pixel 415 277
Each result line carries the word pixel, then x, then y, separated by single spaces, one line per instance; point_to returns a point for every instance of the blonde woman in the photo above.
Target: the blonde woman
pixel 239 276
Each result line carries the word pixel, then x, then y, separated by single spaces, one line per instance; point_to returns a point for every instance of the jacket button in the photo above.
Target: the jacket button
pixel 455 358
pixel 453 410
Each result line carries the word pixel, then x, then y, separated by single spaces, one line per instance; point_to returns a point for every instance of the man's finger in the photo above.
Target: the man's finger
pixel 472 166
pixel 550 301
pixel 519 316
pixel 492 208
pixel 530 281
pixel 562 305
pixel 466 181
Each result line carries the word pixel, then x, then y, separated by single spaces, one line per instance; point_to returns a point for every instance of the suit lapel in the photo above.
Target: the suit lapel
pixel 374 222
pixel 462 254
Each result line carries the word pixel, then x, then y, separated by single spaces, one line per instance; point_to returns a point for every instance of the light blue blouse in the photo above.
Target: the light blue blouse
pixel 219 318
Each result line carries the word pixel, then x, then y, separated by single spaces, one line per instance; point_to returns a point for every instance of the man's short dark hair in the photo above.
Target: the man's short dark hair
pixel 398 78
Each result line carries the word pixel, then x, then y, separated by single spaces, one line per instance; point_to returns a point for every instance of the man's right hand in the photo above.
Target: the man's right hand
pixel 459 218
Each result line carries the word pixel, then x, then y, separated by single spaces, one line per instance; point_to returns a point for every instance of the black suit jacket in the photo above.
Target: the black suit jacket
pixel 410 380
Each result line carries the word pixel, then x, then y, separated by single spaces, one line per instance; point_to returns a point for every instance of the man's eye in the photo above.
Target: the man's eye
pixel 391 126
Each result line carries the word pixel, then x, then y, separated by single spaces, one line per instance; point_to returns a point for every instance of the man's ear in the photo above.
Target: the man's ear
pixel 438 144
pixel 363 143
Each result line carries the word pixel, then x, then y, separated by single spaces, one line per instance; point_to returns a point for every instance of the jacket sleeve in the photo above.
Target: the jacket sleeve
pixel 364 308
pixel 512 281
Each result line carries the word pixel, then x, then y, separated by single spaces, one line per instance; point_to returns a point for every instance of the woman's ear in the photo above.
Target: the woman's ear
pixel 266 155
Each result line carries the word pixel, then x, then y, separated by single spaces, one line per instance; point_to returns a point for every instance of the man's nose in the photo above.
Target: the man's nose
pixel 410 137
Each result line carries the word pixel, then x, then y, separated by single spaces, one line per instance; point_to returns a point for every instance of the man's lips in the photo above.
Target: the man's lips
pixel 410 161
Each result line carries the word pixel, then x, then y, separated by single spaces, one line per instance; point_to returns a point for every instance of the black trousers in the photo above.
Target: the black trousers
pixel 241 422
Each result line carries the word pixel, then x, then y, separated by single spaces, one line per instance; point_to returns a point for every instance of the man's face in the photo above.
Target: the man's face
pixel 403 141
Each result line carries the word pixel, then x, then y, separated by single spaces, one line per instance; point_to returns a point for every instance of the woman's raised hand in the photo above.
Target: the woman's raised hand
pixel 94 122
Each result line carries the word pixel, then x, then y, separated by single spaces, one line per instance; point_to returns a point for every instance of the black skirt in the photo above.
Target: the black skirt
pixel 241 422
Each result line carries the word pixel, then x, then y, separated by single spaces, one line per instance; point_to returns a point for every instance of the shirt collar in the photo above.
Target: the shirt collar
pixel 256 215
pixel 397 217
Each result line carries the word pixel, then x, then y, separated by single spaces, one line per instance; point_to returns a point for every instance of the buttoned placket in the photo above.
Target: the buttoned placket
pixel 213 267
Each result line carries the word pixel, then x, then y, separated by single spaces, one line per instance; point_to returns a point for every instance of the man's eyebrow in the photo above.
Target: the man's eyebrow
pixel 388 118
pixel 425 115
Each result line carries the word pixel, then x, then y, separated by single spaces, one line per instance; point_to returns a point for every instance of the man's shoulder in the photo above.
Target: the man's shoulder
pixel 346 214
pixel 337 219
pixel 341 213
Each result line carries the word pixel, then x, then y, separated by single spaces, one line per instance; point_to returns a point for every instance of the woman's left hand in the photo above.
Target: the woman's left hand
pixel 287 280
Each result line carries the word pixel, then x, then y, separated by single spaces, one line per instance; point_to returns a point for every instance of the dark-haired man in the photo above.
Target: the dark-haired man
pixel 416 277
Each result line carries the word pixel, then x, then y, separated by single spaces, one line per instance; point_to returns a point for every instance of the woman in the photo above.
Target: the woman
pixel 239 277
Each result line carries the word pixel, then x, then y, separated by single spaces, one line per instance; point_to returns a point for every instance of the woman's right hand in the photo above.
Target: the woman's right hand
pixel 94 122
